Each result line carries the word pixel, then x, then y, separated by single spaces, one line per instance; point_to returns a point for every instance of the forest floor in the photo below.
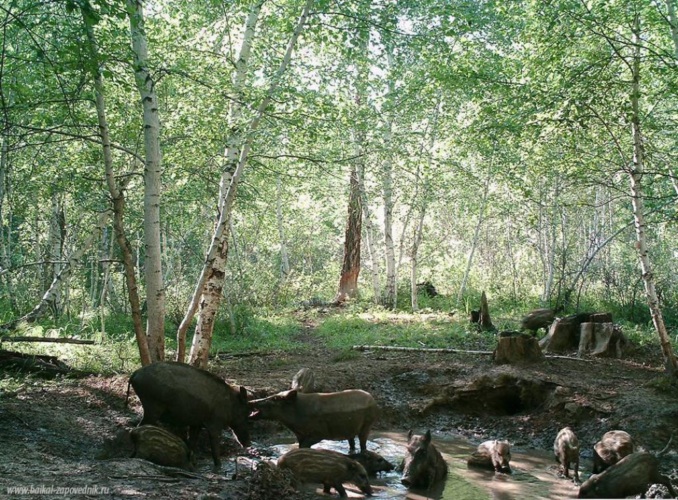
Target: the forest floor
pixel 51 431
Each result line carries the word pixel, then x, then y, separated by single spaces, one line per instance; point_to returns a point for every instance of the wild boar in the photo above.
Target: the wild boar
pixel 492 454
pixel 330 468
pixel 160 446
pixel 611 448
pixel 317 416
pixel 373 462
pixel 423 464
pixel 119 446
pixel 304 381
pixel 539 318
pixel 566 450
pixel 629 476
pixel 151 443
pixel 188 396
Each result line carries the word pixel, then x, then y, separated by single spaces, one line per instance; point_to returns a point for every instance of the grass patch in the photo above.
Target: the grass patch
pixel 401 329
pixel 257 333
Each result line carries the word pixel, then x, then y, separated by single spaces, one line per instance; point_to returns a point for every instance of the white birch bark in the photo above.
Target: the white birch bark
pixel 421 195
pixel 390 290
pixel 284 259
pixel 210 283
pixel 370 233
pixel 219 243
pixel 637 202
pixel 5 237
pixel 474 242
pixel 155 291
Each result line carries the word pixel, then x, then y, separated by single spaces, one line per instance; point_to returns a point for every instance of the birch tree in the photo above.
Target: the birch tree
pixel 116 191
pixel 211 281
pixel 155 291
pixel 637 194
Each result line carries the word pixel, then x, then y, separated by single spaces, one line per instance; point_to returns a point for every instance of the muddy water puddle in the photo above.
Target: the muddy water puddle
pixel 534 473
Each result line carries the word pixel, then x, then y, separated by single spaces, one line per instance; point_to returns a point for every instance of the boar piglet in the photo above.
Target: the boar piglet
pixel 317 416
pixel 632 475
pixel 611 448
pixel 188 396
pixel 373 462
pixel 327 467
pixel 566 451
pixel 492 454
pixel 161 447
pixel 423 465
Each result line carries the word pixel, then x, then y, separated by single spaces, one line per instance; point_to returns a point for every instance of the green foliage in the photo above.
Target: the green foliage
pixel 255 332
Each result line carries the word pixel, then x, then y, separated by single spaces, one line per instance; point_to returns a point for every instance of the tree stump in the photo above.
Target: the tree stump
pixel 485 321
pixel 601 339
pixel 516 347
pixel 563 335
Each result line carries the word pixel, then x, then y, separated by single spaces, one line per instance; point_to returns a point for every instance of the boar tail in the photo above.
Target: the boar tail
pixel 127 397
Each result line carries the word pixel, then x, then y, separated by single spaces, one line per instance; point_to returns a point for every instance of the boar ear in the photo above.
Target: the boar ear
pixel 291 395
pixel 243 393
pixel 409 435
pixel 427 437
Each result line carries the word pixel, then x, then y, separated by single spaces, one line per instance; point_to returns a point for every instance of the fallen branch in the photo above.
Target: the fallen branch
pixel 567 357
pixel 57 340
pixel 416 349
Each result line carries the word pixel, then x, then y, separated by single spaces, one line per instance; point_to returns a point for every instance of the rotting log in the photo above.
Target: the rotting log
pixel 56 340
pixel 43 365
pixel 416 349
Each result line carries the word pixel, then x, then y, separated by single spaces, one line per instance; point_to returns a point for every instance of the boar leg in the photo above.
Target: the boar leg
pixel 341 490
pixel 351 445
pixel 575 472
pixel 152 413
pixel 215 435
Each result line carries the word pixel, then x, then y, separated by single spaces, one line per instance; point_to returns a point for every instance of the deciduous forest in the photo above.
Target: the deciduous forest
pixel 466 208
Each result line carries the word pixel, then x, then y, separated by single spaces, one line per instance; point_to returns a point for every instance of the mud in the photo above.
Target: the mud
pixel 50 431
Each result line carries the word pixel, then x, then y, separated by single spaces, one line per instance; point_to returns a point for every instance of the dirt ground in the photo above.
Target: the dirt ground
pixel 51 431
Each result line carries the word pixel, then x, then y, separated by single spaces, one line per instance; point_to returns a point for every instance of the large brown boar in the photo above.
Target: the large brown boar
pixel 317 416
pixel 566 450
pixel 423 465
pixel 492 454
pixel 630 476
pixel 611 448
pixel 188 396
pixel 330 468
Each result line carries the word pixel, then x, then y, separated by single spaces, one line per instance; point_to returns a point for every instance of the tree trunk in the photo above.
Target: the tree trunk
pixel 420 198
pixel 284 259
pixel 637 202
pixel 211 282
pixel 5 237
pixel 73 259
pixel 474 243
pixel 369 233
pixel 516 348
pixel 56 236
pixel 673 24
pixel 485 321
pixel 391 289
pixel 418 231
pixel 219 243
pixel 348 282
pixel 117 196
pixel 155 290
